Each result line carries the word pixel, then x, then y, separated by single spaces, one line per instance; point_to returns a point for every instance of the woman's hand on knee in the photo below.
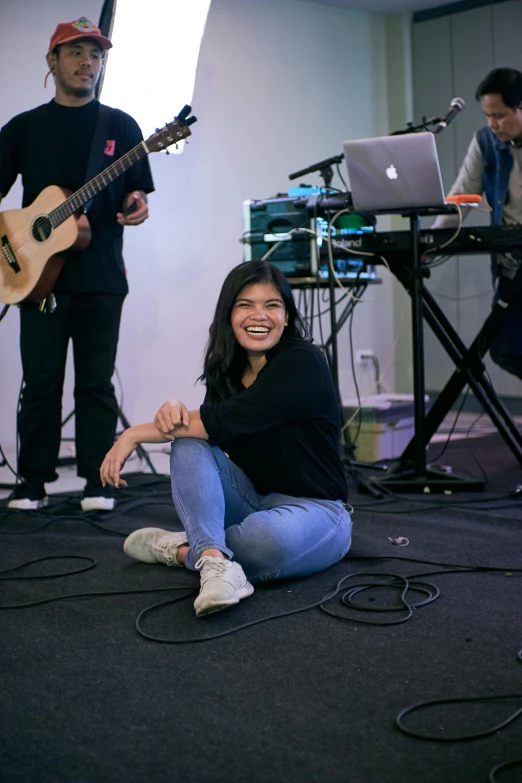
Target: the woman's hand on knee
pixel 172 415
pixel 114 461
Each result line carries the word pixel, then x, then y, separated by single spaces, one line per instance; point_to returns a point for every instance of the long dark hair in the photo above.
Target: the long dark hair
pixel 226 360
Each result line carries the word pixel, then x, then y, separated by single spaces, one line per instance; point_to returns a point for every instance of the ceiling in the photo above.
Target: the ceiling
pixel 384 6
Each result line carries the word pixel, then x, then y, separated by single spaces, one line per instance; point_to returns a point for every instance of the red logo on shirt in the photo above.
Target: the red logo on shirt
pixel 110 146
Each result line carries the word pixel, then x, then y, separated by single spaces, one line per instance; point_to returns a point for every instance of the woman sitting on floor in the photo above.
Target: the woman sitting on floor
pixel 257 480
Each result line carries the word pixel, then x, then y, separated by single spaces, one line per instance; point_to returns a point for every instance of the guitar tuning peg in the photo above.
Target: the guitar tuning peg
pixel 157 130
pixel 167 152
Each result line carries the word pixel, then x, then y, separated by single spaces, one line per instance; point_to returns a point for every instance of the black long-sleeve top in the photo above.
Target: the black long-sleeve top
pixel 283 431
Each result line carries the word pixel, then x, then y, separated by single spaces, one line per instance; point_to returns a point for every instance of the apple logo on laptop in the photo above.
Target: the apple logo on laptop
pixel 391 172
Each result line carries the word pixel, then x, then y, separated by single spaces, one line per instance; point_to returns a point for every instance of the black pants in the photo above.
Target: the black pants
pixel 506 349
pixel 92 321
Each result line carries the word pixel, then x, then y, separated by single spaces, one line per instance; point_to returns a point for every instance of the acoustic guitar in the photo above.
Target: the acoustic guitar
pixel 33 239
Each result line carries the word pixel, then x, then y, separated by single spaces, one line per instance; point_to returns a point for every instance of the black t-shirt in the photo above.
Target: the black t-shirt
pixel 50 145
pixel 283 431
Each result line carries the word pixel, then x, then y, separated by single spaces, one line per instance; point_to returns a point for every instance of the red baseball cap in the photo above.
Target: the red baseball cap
pixel 80 28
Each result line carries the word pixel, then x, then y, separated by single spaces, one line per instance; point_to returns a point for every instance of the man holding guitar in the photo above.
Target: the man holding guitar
pixel 51 145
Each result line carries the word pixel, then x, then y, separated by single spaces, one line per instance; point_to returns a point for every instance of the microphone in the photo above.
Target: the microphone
pixel 456 105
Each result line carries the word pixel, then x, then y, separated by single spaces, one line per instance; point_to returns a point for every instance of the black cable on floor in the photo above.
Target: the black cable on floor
pixel 134 498
pixel 397 581
pixel 100 593
pixel 432 500
pixel 431 591
pixel 423 504
pixel 492 777
pixel 90 517
pixel 92 564
pixel 462 700
pixel 371 581
pixel 512 505
pixel 505 765
pixel 388 581
pixel 26 531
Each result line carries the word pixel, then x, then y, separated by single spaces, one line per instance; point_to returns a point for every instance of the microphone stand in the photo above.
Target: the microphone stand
pixel 324 167
pixel 423 126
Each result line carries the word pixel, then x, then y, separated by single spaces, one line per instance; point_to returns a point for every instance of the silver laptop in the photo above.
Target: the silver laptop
pixel 394 172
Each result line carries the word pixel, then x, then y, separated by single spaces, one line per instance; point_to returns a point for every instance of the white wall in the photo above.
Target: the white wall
pixel 280 85
pixel 399 88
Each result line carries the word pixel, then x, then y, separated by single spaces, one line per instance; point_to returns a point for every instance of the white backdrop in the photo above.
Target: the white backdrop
pixel 280 84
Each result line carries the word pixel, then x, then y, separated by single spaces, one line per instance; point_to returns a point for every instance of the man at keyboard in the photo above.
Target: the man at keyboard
pixel 493 167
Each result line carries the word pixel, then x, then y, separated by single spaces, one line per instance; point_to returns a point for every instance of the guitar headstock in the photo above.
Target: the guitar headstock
pixel 172 132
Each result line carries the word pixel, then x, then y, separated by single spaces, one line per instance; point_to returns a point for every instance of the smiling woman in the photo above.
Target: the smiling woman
pixel 257 480
pixel 155 44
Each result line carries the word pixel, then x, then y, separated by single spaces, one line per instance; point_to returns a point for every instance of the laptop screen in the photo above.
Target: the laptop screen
pixel 394 172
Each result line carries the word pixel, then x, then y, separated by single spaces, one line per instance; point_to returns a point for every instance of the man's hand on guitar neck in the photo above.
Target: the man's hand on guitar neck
pixel 135 209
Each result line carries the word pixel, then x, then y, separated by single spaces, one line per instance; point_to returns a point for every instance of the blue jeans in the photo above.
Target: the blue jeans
pixel 271 536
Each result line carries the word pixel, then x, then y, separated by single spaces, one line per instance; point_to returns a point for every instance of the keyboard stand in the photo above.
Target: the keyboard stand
pixel 470 370
pixel 411 473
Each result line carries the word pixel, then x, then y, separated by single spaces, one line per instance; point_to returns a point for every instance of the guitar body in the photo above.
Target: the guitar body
pixel 33 240
pixel 31 249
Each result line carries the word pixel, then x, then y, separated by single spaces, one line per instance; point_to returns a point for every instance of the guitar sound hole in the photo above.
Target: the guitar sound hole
pixel 42 228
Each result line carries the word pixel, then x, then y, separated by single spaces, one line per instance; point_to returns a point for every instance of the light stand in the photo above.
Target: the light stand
pixel 140 450
pixel 3 464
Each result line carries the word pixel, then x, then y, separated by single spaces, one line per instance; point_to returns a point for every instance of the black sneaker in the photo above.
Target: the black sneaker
pixel 27 498
pixel 97 498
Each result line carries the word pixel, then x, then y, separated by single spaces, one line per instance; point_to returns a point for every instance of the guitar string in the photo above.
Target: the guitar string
pixel 98 184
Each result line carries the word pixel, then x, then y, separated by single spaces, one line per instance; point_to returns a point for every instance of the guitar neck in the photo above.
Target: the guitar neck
pixel 75 202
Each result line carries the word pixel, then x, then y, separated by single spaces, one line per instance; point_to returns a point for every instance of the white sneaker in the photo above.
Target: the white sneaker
pixel 27 498
pixel 25 504
pixel 97 504
pixel 97 498
pixel 154 545
pixel 223 583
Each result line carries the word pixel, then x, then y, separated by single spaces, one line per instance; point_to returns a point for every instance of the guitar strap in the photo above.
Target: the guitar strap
pixel 99 139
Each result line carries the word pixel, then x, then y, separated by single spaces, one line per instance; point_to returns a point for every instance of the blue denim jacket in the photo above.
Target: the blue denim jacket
pixel 498 162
